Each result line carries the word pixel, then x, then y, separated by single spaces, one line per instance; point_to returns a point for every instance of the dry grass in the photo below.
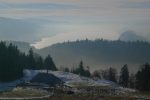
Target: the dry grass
pixel 61 95
pixel 87 97
pixel 19 92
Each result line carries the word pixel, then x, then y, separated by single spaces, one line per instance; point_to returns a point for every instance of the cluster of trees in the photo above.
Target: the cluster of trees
pixel 12 62
pixel 35 61
pixel 80 70
pixel 108 74
pixel 140 80
pixel 143 78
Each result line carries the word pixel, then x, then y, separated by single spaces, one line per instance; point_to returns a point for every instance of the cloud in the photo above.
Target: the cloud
pixel 16 29
pixel 37 1
pixel 137 4
pixel 37 6
pixel 55 18
pixel 32 8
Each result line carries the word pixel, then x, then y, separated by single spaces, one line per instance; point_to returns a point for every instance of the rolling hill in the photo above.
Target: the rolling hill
pixel 99 54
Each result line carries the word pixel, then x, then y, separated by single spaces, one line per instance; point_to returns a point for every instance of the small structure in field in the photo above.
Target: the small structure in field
pixel 47 79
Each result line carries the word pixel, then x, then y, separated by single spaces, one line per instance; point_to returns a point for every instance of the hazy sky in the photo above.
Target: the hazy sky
pixel 44 22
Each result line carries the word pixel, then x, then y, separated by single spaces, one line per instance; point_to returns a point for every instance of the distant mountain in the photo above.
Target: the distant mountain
pixel 131 36
pixel 99 53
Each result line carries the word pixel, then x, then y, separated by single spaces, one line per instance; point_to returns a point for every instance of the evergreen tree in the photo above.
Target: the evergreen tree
pixel 66 69
pixel 112 74
pixel 39 63
pixel 124 76
pixel 10 66
pixel 81 69
pixel 87 73
pixel 132 81
pixel 97 74
pixel 49 64
pixel 143 78
pixel 31 60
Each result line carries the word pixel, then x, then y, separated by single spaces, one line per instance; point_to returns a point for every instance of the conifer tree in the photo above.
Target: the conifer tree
pixel 112 74
pixel 31 60
pixel 49 64
pixel 143 78
pixel 124 76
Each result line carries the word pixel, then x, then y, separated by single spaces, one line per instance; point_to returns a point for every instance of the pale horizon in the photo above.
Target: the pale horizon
pixel 46 22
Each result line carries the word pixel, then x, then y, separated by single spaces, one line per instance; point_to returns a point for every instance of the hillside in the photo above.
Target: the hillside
pixel 22 46
pixel 70 79
pixel 99 53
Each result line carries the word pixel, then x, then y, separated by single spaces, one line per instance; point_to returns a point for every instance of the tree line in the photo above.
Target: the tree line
pixel 36 62
pixel 12 62
pixel 140 80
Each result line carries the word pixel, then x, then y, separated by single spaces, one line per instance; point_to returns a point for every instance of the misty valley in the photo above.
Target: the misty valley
pixel 74 49
pixel 91 70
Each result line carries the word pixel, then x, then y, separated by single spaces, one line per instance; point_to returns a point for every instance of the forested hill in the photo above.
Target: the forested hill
pixel 99 53
pixel 22 46
pixel 96 54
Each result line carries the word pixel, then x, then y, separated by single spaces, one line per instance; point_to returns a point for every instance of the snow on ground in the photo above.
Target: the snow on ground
pixel 126 90
pixel 70 79
pixel 28 75
pixel 73 79
pixel 9 85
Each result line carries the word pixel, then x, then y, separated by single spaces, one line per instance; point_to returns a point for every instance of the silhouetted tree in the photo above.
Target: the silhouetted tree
pixel 49 64
pixel 105 74
pixel 10 66
pixel 31 60
pixel 81 71
pixel 39 63
pixel 112 74
pixel 87 72
pixel 143 78
pixel 132 81
pixel 97 74
pixel 66 69
pixel 124 76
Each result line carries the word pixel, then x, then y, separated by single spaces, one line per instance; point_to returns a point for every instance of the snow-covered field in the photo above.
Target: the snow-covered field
pixel 70 79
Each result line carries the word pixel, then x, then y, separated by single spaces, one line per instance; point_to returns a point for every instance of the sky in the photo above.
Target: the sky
pixel 46 22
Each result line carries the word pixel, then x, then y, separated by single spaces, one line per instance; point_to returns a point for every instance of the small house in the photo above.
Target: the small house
pixel 47 79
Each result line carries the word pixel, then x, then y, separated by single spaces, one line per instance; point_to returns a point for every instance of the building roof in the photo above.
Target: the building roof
pixel 46 78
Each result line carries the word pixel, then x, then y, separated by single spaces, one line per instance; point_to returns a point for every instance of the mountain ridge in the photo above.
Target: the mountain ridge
pixel 99 53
